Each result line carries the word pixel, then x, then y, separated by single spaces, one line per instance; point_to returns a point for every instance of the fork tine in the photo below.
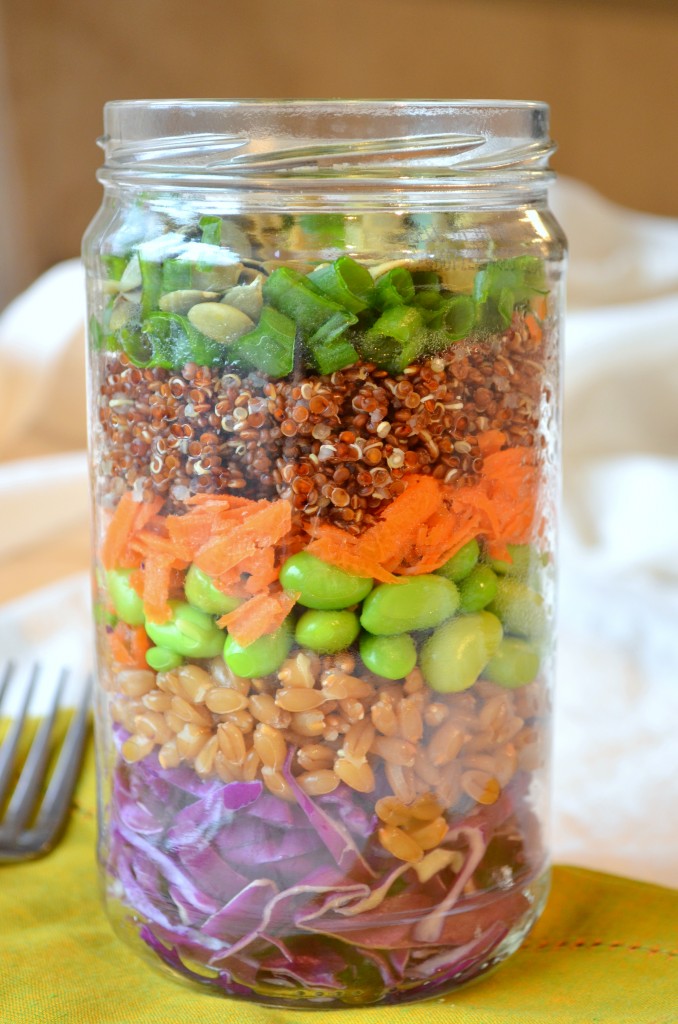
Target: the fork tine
pixel 10 745
pixel 28 786
pixel 55 806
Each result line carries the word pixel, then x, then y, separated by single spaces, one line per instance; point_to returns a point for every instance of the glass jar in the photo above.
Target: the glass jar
pixel 324 438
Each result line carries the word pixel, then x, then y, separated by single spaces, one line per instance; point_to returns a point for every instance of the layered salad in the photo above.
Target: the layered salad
pixel 323 595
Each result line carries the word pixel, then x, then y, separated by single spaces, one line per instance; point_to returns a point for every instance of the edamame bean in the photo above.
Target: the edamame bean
pixel 201 593
pixel 389 656
pixel 520 608
pixel 460 565
pixel 478 589
pixel 527 564
pixel 127 603
pixel 189 632
pixel 515 663
pixel 327 631
pixel 260 658
pixel 163 660
pixel 321 585
pixel 458 651
pixel 102 616
pixel 419 602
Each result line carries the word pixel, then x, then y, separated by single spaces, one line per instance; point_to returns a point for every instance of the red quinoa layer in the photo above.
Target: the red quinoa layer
pixel 337 446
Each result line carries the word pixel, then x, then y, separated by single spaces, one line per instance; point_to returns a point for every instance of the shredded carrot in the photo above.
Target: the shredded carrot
pixel 402 518
pixel 118 533
pixel 147 542
pixel 128 645
pixel 145 512
pixel 491 441
pixel 262 614
pixel 343 550
pixel 429 522
pixel 262 570
pixel 129 517
pixel 157 583
pixel 139 644
pixel 118 650
pixel 540 306
pixel 262 528
pixel 534 327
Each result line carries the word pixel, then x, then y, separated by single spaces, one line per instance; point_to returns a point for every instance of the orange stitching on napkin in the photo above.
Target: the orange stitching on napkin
pixel 553 944
pixel 83 810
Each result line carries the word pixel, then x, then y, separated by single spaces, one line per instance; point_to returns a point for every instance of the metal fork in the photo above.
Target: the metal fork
pixel 32 822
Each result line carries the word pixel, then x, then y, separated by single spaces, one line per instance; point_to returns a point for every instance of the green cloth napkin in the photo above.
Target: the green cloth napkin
pixel 605 952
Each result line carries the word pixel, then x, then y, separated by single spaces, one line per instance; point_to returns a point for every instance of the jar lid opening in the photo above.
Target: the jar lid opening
pixel 240 142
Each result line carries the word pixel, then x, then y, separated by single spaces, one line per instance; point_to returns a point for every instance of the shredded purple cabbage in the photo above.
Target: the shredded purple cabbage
pixel 273 897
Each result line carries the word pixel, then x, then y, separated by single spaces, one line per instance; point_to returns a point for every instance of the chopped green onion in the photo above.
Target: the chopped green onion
pixel 328 351
pixel 505 284
pixel 114 266
pixel 345 281
pixel 151 285
pixel 396 339
pixel 211 230
pixel 319 319
pixel 177 275
pixel 394 288
pixel 328 229
pixel 426 280
pixel 135 345
pixel 456 317
pixel 429 301
pixel 268 348
pixel 297 297
pixel 97 336
pixel 168 341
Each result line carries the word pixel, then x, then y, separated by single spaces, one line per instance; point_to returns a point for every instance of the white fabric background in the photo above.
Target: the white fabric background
pixel 616 755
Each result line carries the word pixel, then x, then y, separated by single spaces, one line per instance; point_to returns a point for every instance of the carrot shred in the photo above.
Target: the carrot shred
pixel 139 644
pixel 129 518
pixel 118 650
pixel 262 528
pixel 118 533
pixel 402 518
pixel 148 542
pixel 128 645
pixel 262 570
pixel 262 614
pixel 157 583
pixel 491 441
pixel 534 327
pixel 145 512
pixel 342 549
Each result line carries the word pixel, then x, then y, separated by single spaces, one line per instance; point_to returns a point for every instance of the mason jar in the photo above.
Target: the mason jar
pixel 324 422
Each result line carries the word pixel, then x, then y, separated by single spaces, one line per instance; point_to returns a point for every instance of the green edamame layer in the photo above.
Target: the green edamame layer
pixel 389 656
pixel 321 585
pixel 419 602
pixel 201 593
pixel 129 607
pixel 454 656
pixel 260 658
pixel 190 632
pixel 327 632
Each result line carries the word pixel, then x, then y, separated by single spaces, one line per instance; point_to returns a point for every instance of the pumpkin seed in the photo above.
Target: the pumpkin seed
pixel 247 298
pixel 219 322
pixel 184 299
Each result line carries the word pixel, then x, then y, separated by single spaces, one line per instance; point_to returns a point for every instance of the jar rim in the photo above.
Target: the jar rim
pixel 276 143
